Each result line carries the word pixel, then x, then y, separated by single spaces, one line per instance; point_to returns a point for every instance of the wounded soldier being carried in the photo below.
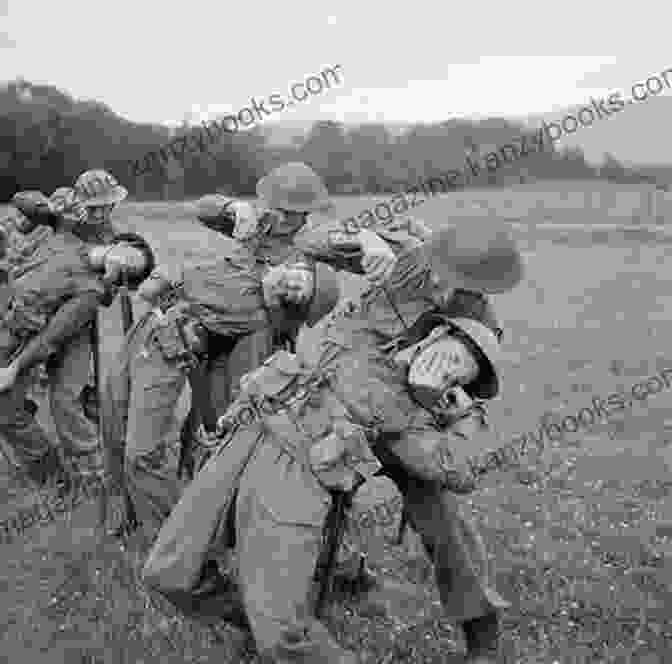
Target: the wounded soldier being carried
pixel 348 404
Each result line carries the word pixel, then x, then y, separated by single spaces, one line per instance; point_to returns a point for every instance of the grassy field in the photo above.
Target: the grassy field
pixel 580 533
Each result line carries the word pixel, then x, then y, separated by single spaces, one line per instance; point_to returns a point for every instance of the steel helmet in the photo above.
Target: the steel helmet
pixel 293 186
pixel 484 341
pixel 98 187
pixel 217 213
pixel 476 256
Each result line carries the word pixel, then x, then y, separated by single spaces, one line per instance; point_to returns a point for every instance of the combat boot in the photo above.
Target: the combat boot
pixel 353 577
pixel 482 639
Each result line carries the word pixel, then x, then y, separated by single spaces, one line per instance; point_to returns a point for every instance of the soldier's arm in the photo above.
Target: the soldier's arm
pixel 68 321
pixel 35 206
pixel 443 454
pixel 342 246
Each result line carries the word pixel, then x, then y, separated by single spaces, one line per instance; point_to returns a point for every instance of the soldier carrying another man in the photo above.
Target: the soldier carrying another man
pixel 54 296
pixel 362 393
pixel 83 212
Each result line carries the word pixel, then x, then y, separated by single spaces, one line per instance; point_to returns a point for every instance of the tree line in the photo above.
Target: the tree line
pixel 47 138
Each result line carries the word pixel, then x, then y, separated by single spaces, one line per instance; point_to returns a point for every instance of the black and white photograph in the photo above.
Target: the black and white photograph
pixel 335 333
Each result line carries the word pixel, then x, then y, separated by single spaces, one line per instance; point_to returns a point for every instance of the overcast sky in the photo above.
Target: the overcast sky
pixel 157 61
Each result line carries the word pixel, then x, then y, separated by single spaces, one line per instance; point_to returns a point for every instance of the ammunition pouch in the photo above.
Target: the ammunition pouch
pixel 23 318
pixel 180 338
pixel 169 298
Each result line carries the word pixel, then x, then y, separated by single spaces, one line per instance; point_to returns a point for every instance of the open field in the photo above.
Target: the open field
pixel 581 532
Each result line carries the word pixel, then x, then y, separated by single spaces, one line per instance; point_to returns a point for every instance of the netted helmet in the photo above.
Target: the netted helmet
pixel 98 187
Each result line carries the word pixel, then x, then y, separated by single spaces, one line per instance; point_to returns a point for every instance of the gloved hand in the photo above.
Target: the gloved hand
pixel 379 260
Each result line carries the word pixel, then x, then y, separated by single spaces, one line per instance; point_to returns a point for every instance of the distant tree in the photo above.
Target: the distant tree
pixel 47 138
pixel 326 149
pixel 612 169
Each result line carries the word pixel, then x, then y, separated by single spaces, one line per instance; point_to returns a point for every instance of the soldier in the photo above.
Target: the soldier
pixel 292 202
pixel 348 403
pixel 22 236
pixel 84 212
pixel 223 300
pixel 53 296
pixel 100 193
pixel 287 196
pixel 211 383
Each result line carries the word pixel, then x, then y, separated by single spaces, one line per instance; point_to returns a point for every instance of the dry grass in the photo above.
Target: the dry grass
pixel 580 534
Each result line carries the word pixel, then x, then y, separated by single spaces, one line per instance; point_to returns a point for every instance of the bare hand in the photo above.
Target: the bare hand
pixel 8 377
pixel 283 284
pixel 247 221
pixel 66 204
pixel 455 401
pixel 379 260
pixel 225 423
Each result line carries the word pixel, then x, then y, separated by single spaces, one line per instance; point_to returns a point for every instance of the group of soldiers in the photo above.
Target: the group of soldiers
pixel 298 396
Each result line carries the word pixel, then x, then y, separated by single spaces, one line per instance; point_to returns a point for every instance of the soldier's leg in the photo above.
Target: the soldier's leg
pixel 151 471
pixel 218 378
pixel 26 437
pixel 280 513
pixel 460 562
pixel 248 354
pixel 68 376
pixel 114 401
